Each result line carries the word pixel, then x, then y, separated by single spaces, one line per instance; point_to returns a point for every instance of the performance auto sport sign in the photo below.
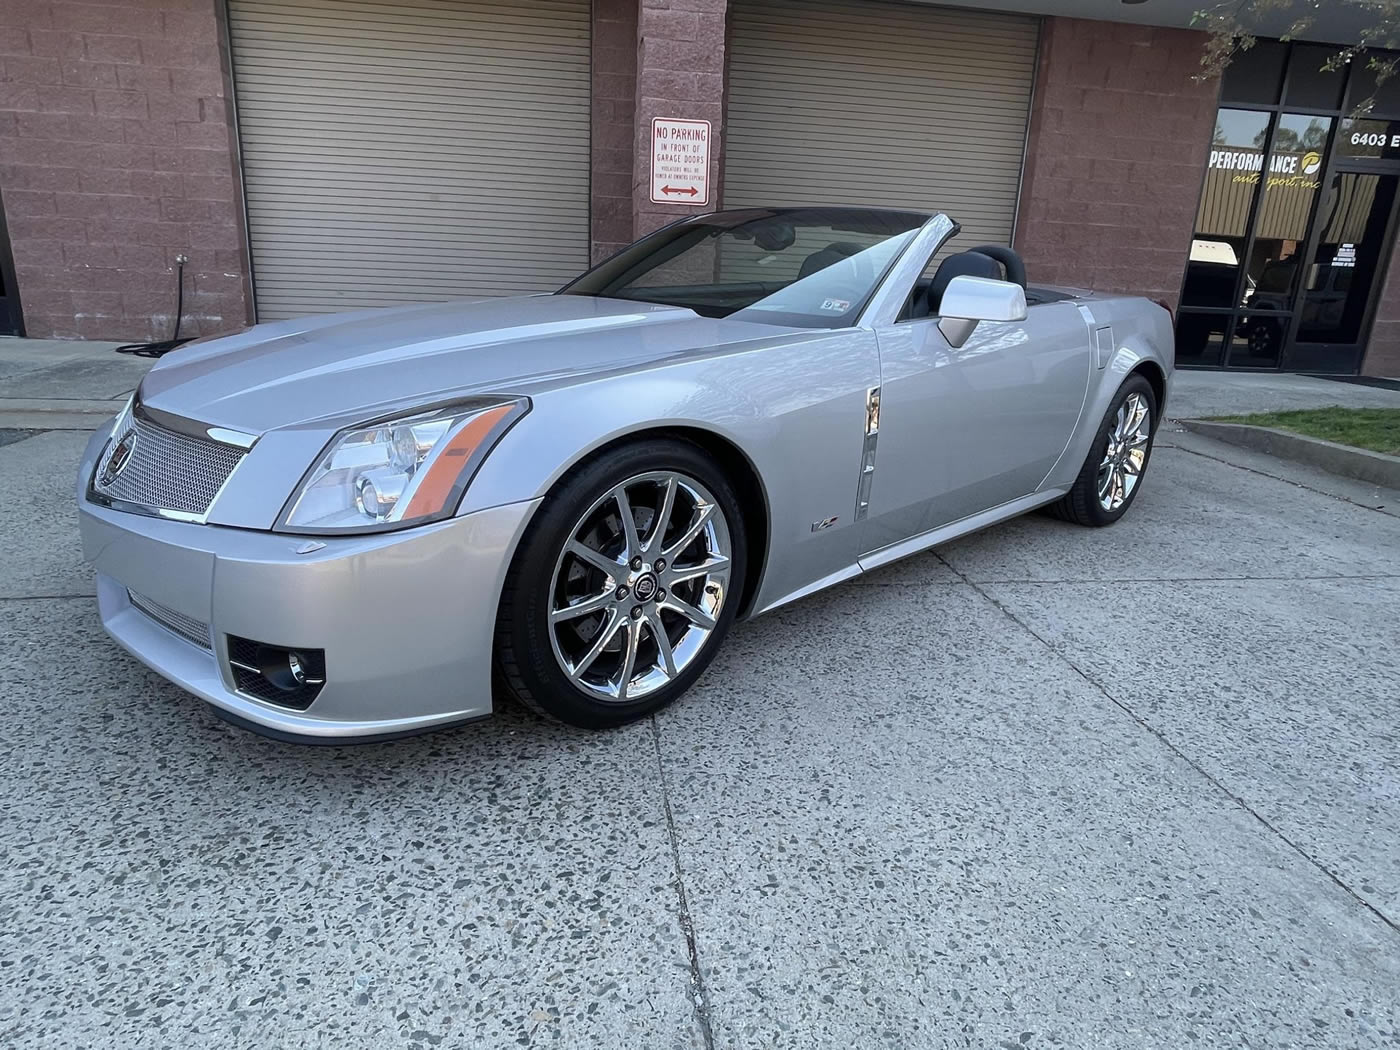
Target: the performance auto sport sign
pixel 680 161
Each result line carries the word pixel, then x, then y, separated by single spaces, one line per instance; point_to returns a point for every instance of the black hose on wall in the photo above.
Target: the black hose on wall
pixel 164 346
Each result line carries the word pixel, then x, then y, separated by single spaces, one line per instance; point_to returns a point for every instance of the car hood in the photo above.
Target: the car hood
pixel 344 366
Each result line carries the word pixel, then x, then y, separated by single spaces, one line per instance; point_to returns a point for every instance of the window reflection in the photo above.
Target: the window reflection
pixel 1200 338
pixel 1257 341
pixel 1222 219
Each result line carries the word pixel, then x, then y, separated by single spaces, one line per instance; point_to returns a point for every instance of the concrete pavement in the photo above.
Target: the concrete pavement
pixel 1050 786
pixel 63 384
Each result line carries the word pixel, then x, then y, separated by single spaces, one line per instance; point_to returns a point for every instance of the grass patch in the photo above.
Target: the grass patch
pixel 1377 429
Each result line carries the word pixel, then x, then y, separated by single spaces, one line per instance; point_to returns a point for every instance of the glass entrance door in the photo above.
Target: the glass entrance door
pixel 1343 274
pixel 1286 204
pixel 10 320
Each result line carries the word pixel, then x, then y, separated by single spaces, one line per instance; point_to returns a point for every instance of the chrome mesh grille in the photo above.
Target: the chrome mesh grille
pixel 168 470
pixel 187 627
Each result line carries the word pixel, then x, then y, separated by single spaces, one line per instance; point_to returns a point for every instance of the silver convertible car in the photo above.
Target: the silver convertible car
pixel 351 527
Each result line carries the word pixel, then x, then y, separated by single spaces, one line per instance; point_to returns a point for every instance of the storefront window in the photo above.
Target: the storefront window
pixel 1295 220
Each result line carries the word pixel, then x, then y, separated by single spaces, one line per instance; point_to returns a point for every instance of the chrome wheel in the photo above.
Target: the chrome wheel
pixel 1126 452
pixel 637 590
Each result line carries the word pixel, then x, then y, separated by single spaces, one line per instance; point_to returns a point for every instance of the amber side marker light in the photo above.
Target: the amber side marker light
pixel 442 475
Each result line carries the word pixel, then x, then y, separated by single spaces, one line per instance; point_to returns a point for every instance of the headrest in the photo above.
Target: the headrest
pixel 964 264
pixel 832 253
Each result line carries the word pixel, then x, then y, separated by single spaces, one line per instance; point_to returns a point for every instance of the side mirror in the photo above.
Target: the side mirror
pixel 968 300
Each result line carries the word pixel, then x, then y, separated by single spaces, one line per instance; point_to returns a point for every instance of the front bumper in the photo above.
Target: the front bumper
pixel 406 619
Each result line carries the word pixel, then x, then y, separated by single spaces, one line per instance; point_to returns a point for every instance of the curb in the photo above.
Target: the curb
pixel 22 413
pixel 1375 468
pixel 51 421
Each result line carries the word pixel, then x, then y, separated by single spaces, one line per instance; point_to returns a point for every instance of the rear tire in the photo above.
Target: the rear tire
pixel 1112 473
pixel 603 621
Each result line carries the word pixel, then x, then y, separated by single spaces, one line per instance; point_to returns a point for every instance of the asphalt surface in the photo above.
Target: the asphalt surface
pixel 1047 787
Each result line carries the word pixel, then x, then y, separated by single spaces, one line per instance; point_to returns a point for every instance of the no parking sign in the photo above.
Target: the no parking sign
pixel 680 161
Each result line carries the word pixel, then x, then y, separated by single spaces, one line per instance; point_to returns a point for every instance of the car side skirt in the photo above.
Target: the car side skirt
pixel 955 529
pixel 914 544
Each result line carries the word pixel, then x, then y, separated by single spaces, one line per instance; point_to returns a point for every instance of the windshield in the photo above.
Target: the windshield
pixel 805 267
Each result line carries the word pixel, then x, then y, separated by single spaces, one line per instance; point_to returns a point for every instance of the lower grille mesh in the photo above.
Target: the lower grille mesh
pixel 196 632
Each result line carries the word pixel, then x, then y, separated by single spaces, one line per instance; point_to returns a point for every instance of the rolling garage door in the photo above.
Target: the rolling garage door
pixel 396 151
pixel 880 103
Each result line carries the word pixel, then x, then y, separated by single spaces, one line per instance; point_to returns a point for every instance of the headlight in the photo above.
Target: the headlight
pixel 399 472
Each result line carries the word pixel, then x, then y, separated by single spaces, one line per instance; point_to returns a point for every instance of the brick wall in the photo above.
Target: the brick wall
pixel 1118 141
pixel 614 109
pixel 680 73
pixel 116 155
pixel 1383 351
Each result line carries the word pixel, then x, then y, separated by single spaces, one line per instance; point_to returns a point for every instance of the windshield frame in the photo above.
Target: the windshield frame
pixel 887 301
pixel 615 266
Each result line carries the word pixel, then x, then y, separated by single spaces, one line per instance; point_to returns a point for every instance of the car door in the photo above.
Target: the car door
pixel 965 429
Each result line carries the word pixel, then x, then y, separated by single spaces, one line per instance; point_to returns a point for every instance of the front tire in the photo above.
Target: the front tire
pixel 1112 474
pixel 624 586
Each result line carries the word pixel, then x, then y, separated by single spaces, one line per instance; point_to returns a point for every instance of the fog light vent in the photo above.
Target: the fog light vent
pixel 277 674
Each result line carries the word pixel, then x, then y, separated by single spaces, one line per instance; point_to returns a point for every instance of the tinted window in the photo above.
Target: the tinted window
pixel 1363 86
pixel 1310 85
pixel 1255 75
